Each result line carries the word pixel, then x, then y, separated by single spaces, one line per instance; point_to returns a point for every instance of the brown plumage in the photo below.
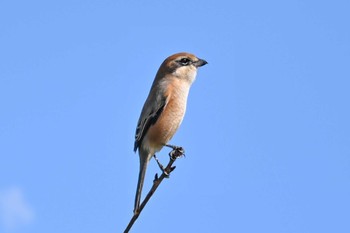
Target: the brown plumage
pixel 164 109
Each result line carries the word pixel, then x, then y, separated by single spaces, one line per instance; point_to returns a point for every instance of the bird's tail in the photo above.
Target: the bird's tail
pixel 143 167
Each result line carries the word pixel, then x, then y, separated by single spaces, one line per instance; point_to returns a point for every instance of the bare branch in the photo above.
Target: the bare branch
pixel 174 154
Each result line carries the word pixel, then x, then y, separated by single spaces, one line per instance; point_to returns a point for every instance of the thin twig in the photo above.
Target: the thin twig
pixel 174 154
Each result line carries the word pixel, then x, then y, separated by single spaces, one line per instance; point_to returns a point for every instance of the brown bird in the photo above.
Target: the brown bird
pixel 164 109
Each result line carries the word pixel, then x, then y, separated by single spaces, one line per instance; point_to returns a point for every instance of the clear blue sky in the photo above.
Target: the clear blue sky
pixel 266 132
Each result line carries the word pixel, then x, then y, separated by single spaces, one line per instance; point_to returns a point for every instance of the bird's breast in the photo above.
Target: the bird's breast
pixel 170 119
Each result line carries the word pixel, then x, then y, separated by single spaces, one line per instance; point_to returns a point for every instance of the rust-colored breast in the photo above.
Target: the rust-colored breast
pixel 170 119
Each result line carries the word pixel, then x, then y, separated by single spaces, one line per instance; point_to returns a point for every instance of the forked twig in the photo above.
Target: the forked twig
pixel 174 154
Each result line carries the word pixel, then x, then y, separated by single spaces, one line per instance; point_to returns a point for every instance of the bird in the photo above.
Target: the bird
pixel 164 109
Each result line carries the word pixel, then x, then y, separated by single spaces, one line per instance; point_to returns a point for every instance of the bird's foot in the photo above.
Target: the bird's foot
pixel 177 151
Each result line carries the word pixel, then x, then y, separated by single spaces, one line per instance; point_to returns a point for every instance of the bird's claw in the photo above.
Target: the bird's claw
pixel 177 152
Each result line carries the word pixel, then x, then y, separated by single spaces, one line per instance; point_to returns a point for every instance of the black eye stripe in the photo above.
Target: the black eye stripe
pixel 184 61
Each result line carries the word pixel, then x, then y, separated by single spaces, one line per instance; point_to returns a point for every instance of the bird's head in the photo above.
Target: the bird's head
pixel 182 65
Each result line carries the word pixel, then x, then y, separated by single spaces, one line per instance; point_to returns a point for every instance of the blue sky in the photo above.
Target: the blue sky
pixel 266 131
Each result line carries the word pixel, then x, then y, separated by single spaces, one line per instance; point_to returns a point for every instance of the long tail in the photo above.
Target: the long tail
pixel 143 167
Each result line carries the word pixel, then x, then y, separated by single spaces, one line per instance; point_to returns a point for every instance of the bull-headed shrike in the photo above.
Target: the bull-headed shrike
pixel 164 109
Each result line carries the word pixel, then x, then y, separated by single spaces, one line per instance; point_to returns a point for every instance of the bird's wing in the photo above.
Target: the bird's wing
pixel 149 116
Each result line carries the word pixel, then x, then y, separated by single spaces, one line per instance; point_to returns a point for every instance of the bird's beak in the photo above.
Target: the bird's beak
pixel 200 62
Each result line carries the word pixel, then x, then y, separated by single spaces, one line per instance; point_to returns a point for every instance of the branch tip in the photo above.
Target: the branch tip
pixel 177 152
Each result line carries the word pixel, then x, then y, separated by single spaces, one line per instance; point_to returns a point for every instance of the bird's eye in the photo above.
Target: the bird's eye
pixel 184 61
